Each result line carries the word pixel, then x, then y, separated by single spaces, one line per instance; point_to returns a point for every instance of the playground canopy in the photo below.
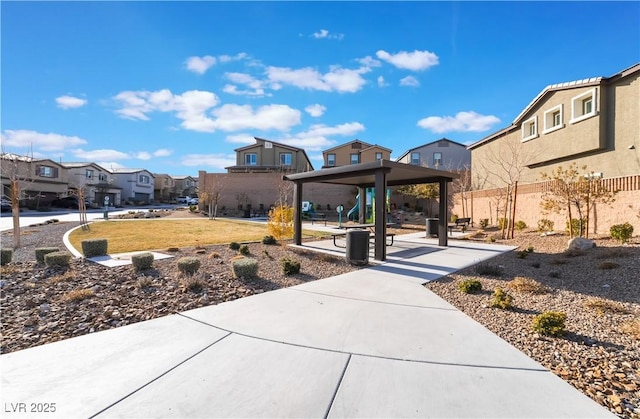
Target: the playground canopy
pixel 378 174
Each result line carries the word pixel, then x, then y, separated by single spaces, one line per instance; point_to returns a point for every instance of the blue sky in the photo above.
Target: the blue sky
pixel 175 87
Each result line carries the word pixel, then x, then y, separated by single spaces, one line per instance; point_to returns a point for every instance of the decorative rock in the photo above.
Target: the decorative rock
pixel 580 243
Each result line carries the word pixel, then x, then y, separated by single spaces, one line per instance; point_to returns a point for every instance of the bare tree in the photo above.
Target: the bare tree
pixel 210 192
pixel 78 188
pixel 18 170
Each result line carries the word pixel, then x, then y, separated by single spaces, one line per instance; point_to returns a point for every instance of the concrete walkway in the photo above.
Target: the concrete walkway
pixel 370 343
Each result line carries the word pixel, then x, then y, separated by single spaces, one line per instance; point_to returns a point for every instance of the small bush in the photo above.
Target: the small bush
pixel 6 256
pixel 454 218
pixel 488 269
pixel 41 251
pixel 280 224
pixel 214 255
pixel 520 225
pixel 491 239
pixel 193 208
pixel 526 285
pixel 545 225
pixel 501 299
pixel 577 227
pixel 470 286
pixel 608 265
pixel 245 268
pixel 57 259
pixel 290 267
pixel 244 249
pixel 144 282
pixel 188 265
pixel 530 249
pixel 78 295
pixel 268 240
pixel 173 249
pixel 550 323
pixel 94 247
pixel 522 254
pixel 142 261
pixel 484 223
pixel 621 232
pixel 193 284
pixel 234 246
pixel 503 223
pixel 605 306
pixel 632 328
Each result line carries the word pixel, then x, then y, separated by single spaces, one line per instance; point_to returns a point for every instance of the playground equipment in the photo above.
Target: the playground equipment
pixel 369 214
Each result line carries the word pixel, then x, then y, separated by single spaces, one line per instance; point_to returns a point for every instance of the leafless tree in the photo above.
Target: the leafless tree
pixel 210 192
pixel 78 188
pixel 18 170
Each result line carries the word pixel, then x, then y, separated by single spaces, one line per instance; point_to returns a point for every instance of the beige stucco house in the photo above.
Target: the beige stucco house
pixel 136 184
pixel 186 185
pixel 97 181
pixel 443 154
pixel 164 187
pixel 267 156
pixel 41 180
pixel 354 152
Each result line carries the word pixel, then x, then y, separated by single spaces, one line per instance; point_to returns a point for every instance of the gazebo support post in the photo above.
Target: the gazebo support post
pixel 381 216
pixel 443 218
pixel 297 213
pixel 362 205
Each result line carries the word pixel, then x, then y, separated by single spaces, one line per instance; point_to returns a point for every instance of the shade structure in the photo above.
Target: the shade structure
pixel 379 174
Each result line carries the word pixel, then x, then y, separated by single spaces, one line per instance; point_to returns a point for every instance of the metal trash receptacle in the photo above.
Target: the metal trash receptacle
pixel 432 227
pixel 357 251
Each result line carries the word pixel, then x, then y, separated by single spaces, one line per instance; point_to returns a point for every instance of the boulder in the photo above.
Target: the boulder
pixel 580 243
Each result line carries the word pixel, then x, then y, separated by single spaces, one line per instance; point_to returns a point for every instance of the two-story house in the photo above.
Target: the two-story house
pixel 97 182
pixel 136 184
pixel 40 180
pixel 354 152
pixel 443 154
pixel 186 185
pixel 269 156
pixel 164 187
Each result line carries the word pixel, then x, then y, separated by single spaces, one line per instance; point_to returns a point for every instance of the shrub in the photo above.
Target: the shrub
pixel 526 285
pixel 550 323
pixel 290 266
pixel 268 240
pixel 245 268
pixel 234 246
pixel 522 254
pixel 621 232
pixel 41 251
pixel 6 256
pixel 188 265
pixel 545 225
pixel 632 328
pixel 530 249
pixel 491 239
pixel 577 227
pixel 454 218
pixel 193 284
pixel 605 306
pixel 214 255
pixel 484 222
pixel 470 286
pixel 78 295
pixel 57 259
pixel 193 208
pixel 142 261
pixel 503 223
pixel 501 299
pixel 608 265
pixel 244 249
pixel 488 269
pixel 94 247
pixel 144 282
pixel 520 225
pixel 280 224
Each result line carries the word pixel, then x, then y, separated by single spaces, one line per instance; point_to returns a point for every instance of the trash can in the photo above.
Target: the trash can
pixel 357 251
pixel 432 227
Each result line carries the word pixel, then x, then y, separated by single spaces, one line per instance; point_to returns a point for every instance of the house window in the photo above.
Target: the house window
pixel 355 158
pixel 331 159
pixel 437 159
pixel 88 174
pixel 285 159
pixel 378 156
pixel 46 171
pixel 102 177
pixel 250 159
pixel 415 158
pixel 530 129
pixel 144 179
pixel 553 119
pixel 583 106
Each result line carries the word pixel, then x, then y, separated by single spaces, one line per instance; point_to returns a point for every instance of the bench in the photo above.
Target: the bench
pixel 371 236
pixel 460 223
pixel 318 217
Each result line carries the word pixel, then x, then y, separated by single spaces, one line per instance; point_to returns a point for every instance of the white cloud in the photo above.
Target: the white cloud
pixel 409 81
pixel 217 161
pixel 256 86
pixel 337 79
pixel 240 139
pixel 238 117
pixel 102 154
pixel 462 122
pixel 316 137
pixel 162 152
pixel 229 58
pixel 415 61
pixel 69 102
pixel 200 65
pixel 346 129
pixel 36 140
pixel 142 155
pixel 315 110
pixel 324 34
pixel 381 82
pixel 369 62
pixel 110 165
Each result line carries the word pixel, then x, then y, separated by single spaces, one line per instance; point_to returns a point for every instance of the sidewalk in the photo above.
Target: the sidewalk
pixel 371 343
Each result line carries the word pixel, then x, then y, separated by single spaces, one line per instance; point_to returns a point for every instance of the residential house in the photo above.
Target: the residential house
pixel 164 187
pixel 354 152
pixel 592 122
pixel 269 156
pixel 136 184
pixel 443 154
pixel 97 181
pixel 186 186
pixel 40 180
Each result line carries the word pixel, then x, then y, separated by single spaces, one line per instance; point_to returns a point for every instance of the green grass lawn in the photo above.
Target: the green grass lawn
pixel 137 235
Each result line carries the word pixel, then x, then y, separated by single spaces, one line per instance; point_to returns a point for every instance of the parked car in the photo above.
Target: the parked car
pixel 192 201
pixel 6 205
pixel 68 202
pixel 182 199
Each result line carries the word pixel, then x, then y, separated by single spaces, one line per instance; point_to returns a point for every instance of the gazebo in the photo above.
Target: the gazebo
pixel 379 174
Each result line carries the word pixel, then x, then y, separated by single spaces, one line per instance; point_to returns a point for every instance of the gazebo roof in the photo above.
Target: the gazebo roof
pixel 364 174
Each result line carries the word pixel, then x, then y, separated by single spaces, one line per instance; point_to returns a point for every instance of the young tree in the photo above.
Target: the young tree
pixel 79 187
pixel 18 170
pixel 211 193
pixel 428 191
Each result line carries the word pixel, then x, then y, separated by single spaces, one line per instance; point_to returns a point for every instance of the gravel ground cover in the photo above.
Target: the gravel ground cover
pixel 599 354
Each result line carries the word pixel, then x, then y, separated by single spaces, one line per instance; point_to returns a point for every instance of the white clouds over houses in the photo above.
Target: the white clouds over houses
pixel 103 154
pixel 216 161
pixel 240 139
pixel 316 138
pixel 461 122
pixel 200 65
pixel 315 110
pixel 50 142
pixel 415 61
pixel 70 102
pixel 337 79
pixel 409 81
pixel 241 117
